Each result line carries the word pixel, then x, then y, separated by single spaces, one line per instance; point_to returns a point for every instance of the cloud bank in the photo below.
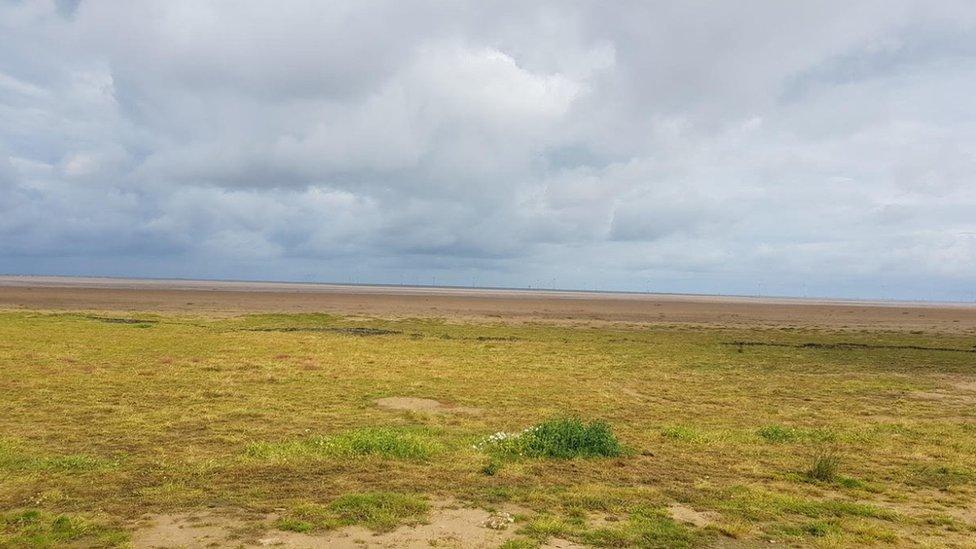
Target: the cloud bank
pixel 763 147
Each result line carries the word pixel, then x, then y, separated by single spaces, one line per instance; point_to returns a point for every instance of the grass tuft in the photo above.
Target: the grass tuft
pixel 824 467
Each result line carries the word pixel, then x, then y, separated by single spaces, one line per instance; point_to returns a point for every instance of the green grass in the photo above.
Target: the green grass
pixel 390 443
pixel 378 511
pixel 778 434
pixel 32 528
pixel 262 412
pixel 824 467
pixel 683 433
pixel 941 477
pixel 15 458
pixel 559 438
pixel 643 528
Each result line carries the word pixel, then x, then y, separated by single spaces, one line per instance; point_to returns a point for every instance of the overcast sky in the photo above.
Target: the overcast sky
pixel 791 148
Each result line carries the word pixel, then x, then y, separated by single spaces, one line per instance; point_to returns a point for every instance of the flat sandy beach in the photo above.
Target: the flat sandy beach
pixel 195 296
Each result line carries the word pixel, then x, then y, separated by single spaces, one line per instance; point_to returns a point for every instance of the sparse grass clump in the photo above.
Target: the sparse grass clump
pixel 643 528
pixel 492 467
pixel 13 457
pixel 387 443
pixel 378 511
pixel 782 434
pixel 561 438
pixel 682 433
pixel 33 528
pixel 778 433
pixel 762 505
pixel 824 467
pixel 941 477
pixel 520 543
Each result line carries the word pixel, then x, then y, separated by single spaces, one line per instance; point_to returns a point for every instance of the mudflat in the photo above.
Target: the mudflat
pixel 191 296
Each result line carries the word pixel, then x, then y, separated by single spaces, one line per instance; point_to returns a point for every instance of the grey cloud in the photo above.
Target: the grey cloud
pixel 673 146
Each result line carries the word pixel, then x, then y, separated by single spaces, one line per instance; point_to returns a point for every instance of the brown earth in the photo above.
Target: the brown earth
pixel 449 525
pixel 101 294
pixel 687 515
pixel 411 404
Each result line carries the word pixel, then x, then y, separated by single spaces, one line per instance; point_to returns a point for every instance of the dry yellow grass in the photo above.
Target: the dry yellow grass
pixel 108 416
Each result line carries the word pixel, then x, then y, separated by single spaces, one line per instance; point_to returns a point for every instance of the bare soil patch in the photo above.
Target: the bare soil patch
pixel 687 515
pixel 190 530
pixel 965 385
pixel 450 525
pixel 413 404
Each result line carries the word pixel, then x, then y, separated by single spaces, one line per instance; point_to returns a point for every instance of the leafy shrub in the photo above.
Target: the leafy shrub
pixel 561 438
pixel 569 438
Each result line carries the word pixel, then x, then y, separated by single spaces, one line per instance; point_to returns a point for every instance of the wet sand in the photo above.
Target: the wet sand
pixel 216 297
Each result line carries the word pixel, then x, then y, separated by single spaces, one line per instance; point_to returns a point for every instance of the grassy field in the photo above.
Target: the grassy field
pixel 687 436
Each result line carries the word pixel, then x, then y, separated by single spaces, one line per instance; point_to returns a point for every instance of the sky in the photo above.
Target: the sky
pixel 757 147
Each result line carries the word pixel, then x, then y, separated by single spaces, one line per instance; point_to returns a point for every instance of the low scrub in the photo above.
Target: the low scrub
pixel 561 438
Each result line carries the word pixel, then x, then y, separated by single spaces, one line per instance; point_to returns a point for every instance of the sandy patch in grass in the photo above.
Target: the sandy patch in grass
pixel 188 530
pixel 449 525
pixel 966 385
pixel 412 404
pixel 687 515
pixel 559 543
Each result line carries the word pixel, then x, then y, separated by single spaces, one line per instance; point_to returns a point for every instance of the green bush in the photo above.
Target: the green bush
pixel 561 438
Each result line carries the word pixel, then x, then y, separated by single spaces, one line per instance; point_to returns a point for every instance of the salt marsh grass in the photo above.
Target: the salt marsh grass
pixel 605 428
